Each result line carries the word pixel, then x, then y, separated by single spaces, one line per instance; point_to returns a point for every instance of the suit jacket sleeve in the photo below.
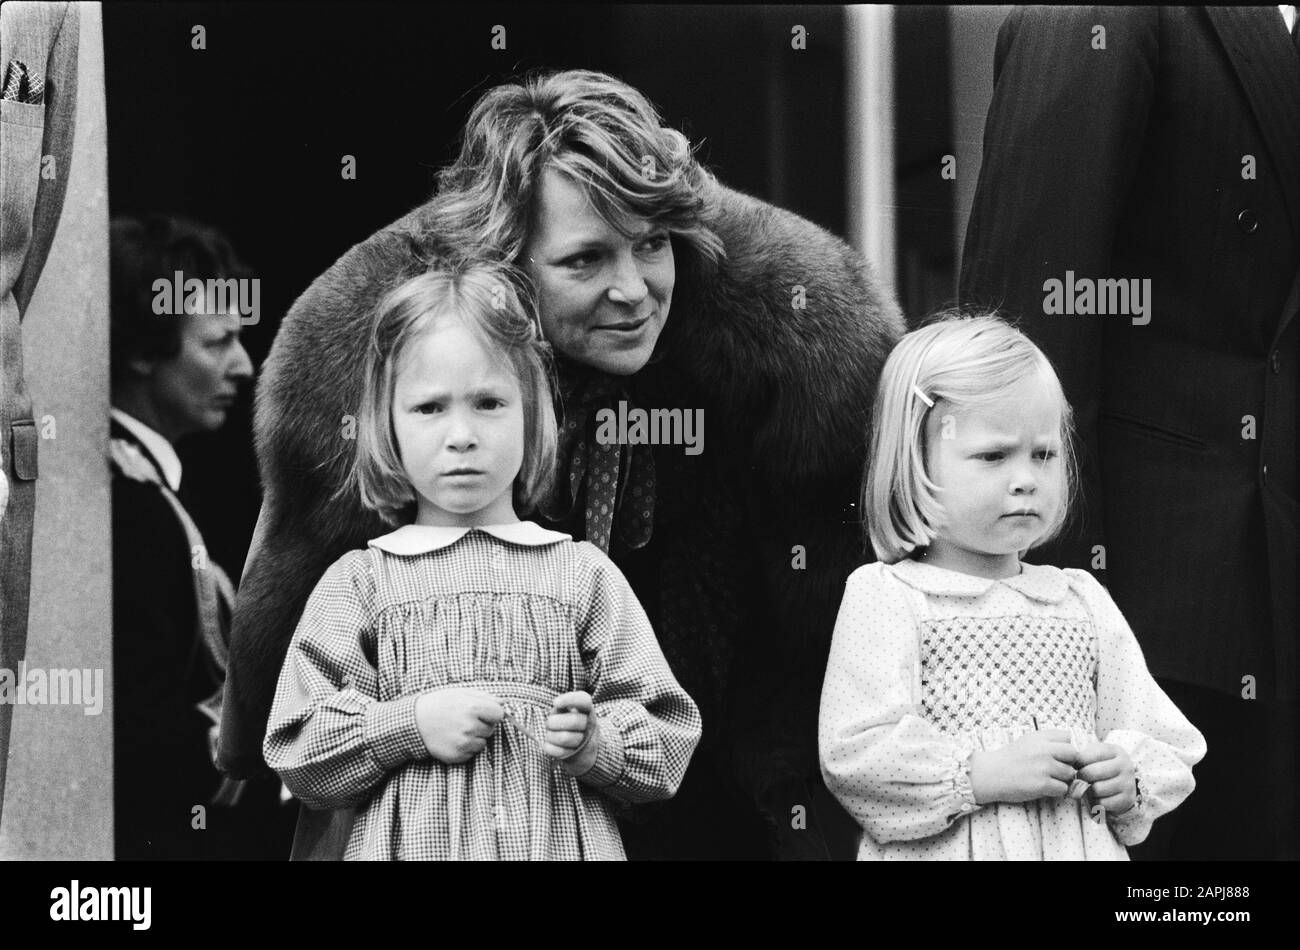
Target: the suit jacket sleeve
pixel 1061 151
pixel 1134 713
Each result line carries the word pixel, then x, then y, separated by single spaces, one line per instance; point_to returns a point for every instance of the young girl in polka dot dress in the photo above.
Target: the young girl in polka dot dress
pixel 976 707
pixel 470 685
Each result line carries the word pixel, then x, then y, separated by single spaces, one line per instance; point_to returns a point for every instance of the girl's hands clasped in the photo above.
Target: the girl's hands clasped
pixel 1037 765
pixel 455 724
pixel 1110 770
pixel 572 732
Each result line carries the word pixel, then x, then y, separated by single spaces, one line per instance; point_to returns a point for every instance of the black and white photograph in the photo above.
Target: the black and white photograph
pixel 689 433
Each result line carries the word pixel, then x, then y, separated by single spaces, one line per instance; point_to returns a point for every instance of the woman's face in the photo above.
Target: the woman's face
pixel 603 297
pixel 194 390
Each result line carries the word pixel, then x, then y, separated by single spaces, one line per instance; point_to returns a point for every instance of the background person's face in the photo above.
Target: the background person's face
pixel 603 297
pixel 194 390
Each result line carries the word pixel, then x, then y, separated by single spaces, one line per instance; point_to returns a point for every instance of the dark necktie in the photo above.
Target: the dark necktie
pixel 619 479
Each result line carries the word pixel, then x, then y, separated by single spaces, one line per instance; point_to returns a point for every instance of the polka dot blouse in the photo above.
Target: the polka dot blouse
pixel 929 665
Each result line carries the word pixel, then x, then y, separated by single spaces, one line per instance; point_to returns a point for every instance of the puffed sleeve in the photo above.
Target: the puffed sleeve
pixel 649 726
pixel 891 769
pixel 330 737
pixel 1134 713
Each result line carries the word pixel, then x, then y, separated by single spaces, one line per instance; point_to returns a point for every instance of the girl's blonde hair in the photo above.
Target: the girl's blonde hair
pixel 967 360
pixel 600 132
pixel 493 301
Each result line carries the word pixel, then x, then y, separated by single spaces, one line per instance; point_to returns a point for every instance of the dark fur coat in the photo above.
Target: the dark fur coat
pixel 752 540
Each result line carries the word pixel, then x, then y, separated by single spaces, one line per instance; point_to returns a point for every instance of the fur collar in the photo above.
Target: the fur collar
pixel 783 342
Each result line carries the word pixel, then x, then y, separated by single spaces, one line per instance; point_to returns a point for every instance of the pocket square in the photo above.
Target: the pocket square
pixel 21 86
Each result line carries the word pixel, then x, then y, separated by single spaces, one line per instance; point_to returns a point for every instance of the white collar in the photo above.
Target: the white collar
pixel 1038 581
pixel 421 539
pixel 1288 15
pixel 158 447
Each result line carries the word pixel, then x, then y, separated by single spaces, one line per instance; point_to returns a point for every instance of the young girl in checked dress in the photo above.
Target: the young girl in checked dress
pixel 472 685
pixel 977 707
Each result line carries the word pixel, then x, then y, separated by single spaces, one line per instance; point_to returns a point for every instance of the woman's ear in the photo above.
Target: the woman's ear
pixel 141 366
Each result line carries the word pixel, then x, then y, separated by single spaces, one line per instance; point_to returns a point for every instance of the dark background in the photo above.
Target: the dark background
pixel 248 135
pixel 926 273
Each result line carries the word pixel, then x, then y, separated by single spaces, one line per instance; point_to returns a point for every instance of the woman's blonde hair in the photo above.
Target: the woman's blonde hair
pixel 494 303
pixel 967 360
pixel 599 132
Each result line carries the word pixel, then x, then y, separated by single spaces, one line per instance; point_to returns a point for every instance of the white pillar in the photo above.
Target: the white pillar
pixel 869 127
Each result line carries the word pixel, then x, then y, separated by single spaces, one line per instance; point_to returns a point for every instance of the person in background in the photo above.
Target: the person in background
pixel 39 56
pixel 1160 147
pixel 173 374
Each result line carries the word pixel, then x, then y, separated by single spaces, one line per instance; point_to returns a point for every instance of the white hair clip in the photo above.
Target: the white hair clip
pixel 923 397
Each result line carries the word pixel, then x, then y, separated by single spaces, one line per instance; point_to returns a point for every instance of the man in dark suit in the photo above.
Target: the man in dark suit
pixel 1161 147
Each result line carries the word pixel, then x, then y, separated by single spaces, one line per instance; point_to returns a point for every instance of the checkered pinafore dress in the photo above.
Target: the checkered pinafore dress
pixel 520 623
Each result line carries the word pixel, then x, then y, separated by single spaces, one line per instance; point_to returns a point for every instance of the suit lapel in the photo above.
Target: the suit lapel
pixel 1269 71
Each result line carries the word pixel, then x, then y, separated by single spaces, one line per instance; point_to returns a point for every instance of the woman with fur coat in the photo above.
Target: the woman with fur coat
pixel 736 533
